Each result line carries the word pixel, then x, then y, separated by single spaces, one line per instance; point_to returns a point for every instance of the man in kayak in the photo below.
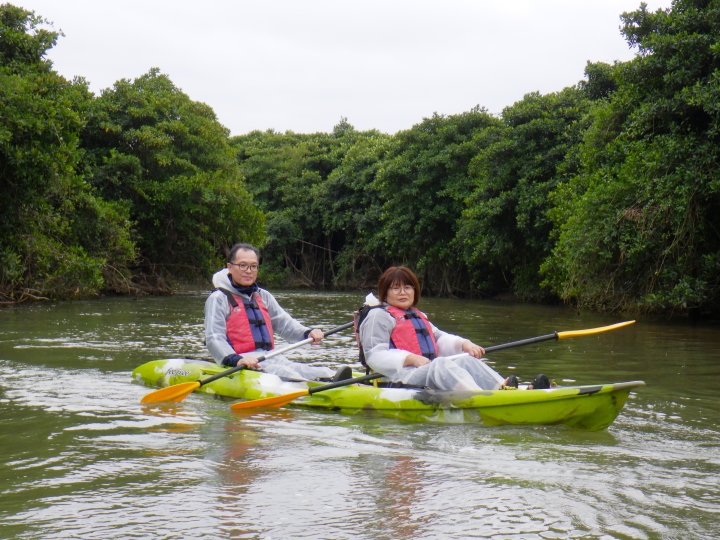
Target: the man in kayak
pixel 399 341
pixel 241 319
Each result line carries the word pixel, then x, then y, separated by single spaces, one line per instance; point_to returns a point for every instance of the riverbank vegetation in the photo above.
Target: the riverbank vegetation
pixel 108 193
pixel 605 194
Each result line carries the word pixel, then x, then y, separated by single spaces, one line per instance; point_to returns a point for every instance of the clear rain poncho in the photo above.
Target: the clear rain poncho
pixel 217 310
pixel 452 370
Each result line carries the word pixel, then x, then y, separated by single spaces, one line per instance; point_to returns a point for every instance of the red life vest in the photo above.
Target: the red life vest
pixel 248 327
pixel 412 332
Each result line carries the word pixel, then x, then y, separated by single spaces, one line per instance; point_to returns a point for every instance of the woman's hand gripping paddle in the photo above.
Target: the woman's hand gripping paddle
pixel 178 392
pixel 284 399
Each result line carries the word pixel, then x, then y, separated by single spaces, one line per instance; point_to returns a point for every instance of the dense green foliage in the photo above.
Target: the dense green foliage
pixel 316 190
pixel 98 193
pixel 640 224
pixel 58 237
pixel 342 206
pixel 423 182
pixel 166 158
pixel 604 194
pixel 505 228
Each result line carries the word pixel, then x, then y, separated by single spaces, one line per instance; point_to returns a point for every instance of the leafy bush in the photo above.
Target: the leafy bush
pixel 640 224
pixel 505 231
pixel 167 159
pixel 58 236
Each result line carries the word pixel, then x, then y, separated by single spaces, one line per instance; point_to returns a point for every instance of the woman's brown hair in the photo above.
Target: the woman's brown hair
pixel 398 275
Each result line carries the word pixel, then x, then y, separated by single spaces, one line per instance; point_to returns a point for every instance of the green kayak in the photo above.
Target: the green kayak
pixel 582 407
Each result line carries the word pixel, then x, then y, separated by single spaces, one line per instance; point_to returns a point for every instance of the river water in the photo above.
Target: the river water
pixel 81 458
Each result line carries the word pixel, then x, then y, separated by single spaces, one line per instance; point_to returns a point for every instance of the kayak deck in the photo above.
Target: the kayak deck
pixel 590 408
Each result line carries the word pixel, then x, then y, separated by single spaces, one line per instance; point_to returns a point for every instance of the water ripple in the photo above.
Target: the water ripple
pixel 83 458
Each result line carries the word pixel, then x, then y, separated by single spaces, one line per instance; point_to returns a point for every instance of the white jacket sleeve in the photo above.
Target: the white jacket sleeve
pixel 375 333
pixel 217 310
pixel 448 344
pixel 282 323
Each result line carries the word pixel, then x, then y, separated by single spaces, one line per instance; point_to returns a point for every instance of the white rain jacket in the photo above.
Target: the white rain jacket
pixel 217 311
pixel 458 373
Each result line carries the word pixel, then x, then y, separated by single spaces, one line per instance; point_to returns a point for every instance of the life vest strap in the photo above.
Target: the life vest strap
pixel 230 297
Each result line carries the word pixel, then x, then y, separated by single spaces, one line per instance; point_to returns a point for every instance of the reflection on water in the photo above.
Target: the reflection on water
pixel 83 459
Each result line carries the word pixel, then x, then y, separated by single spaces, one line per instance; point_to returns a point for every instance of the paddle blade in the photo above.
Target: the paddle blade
pixel 176 392
pixel 275 401
pixel 576 333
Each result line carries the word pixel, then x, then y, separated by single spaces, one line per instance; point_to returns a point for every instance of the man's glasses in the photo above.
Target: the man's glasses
pixel 245 267
pixel 407 288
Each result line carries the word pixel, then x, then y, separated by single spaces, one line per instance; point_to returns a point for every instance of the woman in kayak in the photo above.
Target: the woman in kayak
pixel 398 341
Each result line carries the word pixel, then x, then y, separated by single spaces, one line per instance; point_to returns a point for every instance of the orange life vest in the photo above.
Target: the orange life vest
pixel 412 332
pixel 248 327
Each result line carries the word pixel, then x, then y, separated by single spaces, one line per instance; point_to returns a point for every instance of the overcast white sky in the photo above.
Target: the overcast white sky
pixel 301 65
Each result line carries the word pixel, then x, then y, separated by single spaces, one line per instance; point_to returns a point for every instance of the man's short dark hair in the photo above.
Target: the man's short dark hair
pixel 242 246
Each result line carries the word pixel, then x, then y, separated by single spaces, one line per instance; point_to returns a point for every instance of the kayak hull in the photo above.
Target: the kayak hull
pixel 582 407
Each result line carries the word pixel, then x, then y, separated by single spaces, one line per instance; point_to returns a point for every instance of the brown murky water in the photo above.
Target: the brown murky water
pixel 82 459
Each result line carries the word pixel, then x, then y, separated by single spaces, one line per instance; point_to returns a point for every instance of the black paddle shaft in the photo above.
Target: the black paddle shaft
pixel 345 382
pixel 364 378
pixel 263 357
pixel 522 342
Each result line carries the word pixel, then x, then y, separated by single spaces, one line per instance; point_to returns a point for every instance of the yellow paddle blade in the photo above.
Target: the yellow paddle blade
pixel 176 392
pixel 576 333
pixel 275 401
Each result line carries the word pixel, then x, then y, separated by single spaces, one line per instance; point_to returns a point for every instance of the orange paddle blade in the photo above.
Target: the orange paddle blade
pixel 176 392
pixel 275 401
